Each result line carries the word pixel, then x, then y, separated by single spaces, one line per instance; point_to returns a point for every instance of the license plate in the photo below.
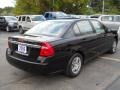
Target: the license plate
pixel 22 49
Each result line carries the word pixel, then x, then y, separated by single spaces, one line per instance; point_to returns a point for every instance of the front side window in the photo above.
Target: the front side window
pixel 23 18
pixel 47 15
pixel 107 18
pixel 85 27
pixel 99 28
pixel 19 18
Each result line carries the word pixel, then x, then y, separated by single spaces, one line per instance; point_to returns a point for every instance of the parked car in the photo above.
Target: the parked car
pixel 60 45
pixel 111 21
pixel 8 23
pixel 80 16
pixel 56 15
pixel 26 22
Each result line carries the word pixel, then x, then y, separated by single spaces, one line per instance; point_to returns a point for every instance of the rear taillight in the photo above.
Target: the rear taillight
pixel 46 50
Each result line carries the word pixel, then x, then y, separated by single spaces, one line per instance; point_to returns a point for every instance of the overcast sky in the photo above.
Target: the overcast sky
pixel 5 3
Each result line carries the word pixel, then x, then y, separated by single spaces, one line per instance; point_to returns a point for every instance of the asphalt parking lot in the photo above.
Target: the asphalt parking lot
pixel 103 73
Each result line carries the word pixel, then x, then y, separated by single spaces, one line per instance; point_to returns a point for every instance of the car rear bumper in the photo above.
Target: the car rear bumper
pixel 26 65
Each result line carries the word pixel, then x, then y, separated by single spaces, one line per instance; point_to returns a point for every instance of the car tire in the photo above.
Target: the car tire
pixel 8 29
pixel 21 30
pixel 114 47
pixel 74 65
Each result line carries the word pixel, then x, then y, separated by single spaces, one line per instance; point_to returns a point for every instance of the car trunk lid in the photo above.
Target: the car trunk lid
pixel 28 47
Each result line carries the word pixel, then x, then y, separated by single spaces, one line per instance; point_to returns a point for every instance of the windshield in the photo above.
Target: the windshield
pixel 38 18
pixel 11 18
pixel 50 28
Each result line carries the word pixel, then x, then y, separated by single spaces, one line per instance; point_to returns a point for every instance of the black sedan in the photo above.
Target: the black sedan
pixel 60 46
pixel 8 23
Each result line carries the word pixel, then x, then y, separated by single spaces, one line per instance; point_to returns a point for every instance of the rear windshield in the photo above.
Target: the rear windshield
pixel 52 28
pixel 2 19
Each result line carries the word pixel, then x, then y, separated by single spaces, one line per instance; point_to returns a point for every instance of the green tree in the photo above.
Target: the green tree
pixel 68 6
pixel 111 6
pixel 6 11
pixel 41 6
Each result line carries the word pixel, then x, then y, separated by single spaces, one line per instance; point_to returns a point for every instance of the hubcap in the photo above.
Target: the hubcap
pixel 76 65
pixel 114 46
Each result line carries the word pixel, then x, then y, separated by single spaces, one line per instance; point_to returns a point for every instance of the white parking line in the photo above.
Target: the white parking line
pixel 112 59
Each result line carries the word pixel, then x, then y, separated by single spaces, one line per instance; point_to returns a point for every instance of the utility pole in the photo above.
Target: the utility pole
pixel 103 6
pixel 53 4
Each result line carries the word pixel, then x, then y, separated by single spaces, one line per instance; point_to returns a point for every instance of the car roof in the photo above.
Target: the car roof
pixel 30 15
pixel 8 16
pixel 99 15
pixel 64 20
pixel 54 12
pixel 71 20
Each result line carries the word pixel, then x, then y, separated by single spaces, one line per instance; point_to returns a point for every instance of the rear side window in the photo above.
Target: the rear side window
pixel 85 27
pixel 99 28
pixel 107 18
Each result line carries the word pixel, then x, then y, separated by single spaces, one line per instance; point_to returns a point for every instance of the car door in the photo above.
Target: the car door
pixel 23 22
pixel 28 23
pixel 104 39
pixel 86 40
pixel 19 20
